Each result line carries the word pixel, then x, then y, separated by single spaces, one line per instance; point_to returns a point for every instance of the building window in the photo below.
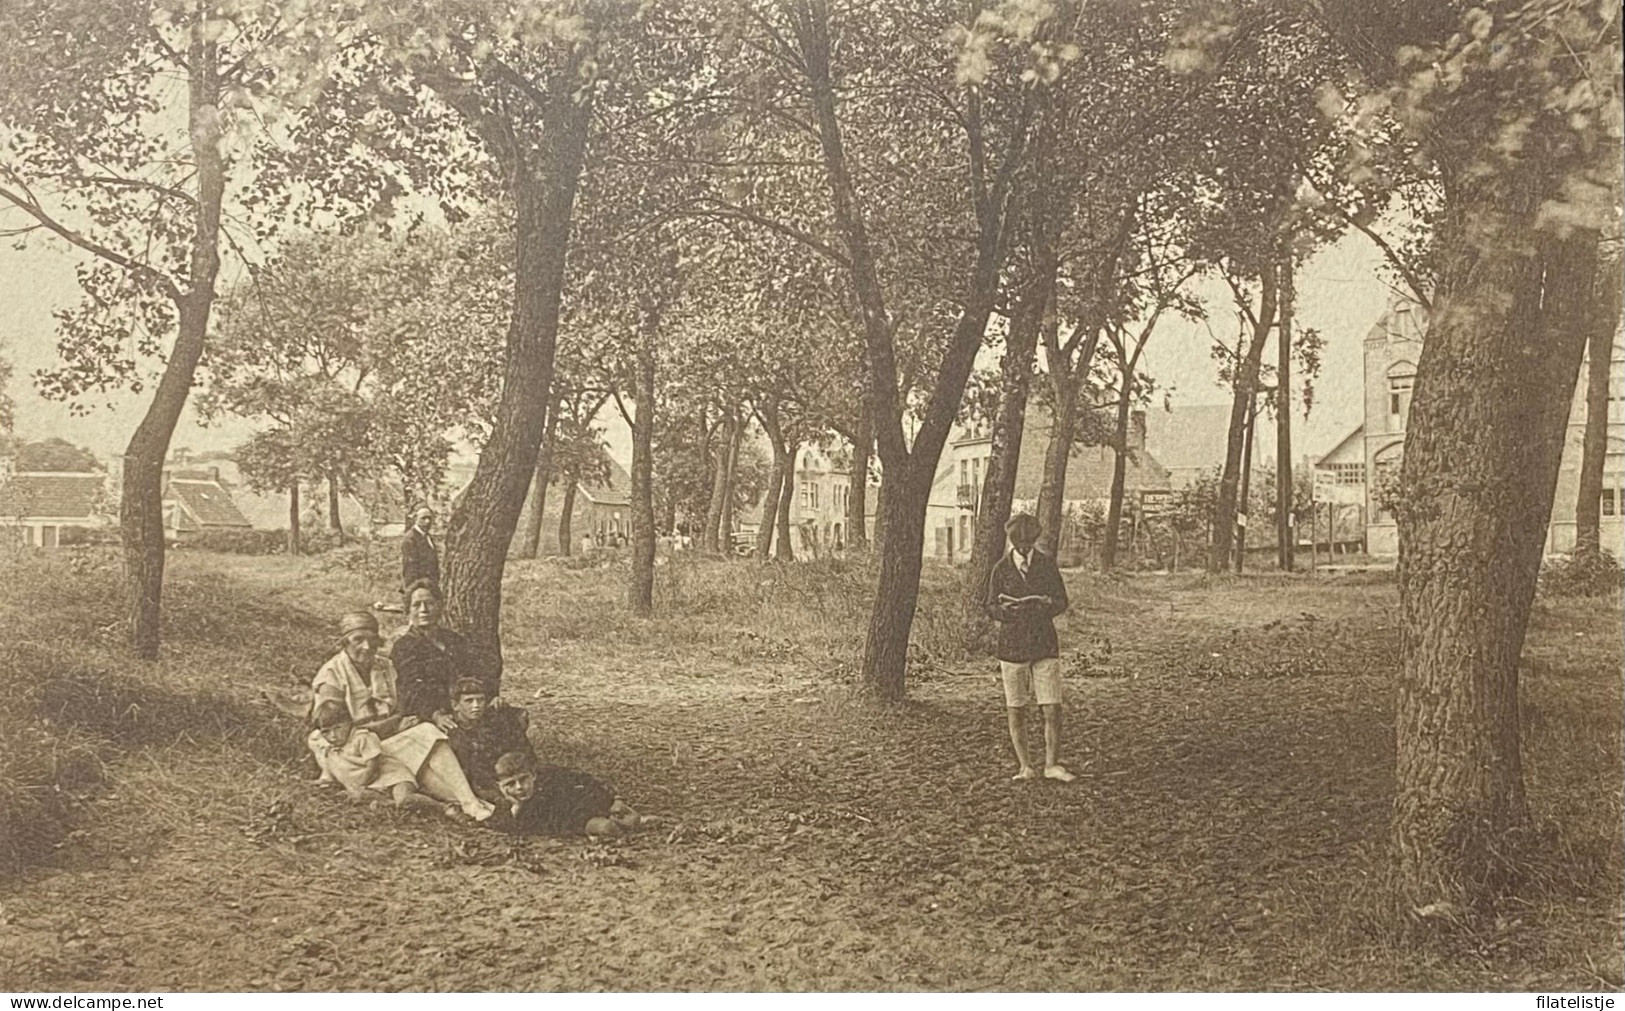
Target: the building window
pixel 1610 502
pixel 1349 473
pixel 1399 400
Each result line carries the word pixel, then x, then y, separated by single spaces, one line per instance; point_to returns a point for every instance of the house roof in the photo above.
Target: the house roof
pixel 1188 436
pixel 53 495
pixel 1341 447
pixel 1088 473
pixel 206 502
pixel 616 491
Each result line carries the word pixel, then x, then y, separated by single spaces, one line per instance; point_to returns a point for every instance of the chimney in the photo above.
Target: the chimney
pixel 1136 431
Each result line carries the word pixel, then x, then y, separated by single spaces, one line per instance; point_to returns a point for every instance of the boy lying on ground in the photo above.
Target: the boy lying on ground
pixel 484 733
pixel 552 800
pixel 358 761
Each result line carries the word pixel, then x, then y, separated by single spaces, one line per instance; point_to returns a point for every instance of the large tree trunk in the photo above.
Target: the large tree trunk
pixel 642 591
pixel 1594 442
pixel 141 507
pixel 1244 383
pixel 1057 455
pixel 785 551
pixel 567 508
pixel 1004 456
pixel 908 469
pixel 1114 510
pixel 481 528
pixel 1284 532
pixel 1487 424
pixel 294 546
pixel 897 591
pixel 857 498
pixel 530 544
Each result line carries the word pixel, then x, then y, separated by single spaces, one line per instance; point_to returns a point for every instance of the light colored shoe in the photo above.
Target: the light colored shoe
pixel 1058 773
pixel 1026 773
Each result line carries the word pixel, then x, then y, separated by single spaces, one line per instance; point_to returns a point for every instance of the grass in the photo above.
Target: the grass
pixel 1233 738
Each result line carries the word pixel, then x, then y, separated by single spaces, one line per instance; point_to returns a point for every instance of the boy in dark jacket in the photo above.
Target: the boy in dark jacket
pixel 1024 594
pixel 484 733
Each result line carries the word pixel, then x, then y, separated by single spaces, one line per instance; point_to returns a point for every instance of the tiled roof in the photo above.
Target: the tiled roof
pixel 1088 473
pixel 616 491
pixel 1189 436
pixel 60 496
pixel 206 502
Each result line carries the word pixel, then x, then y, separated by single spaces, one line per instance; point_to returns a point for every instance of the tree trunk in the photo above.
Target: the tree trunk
pixel 642 591
pixel 1244 509
pixel 141 507
pixel 1594 443
pixel 909 469
pixel 1494 386
pixel 294 545
pixel 725 522
pixel 897 591
pixel 711 537
pixel 857 498
pixel 880 514
pixel 1114 510
pixel 567 508
pixel 770 507
pixel 335 523
pixel 786 552
pixel 1057 455
pixel 1245 382
pixel 530 544
pixel 481 528
pixel 998 489
pixel 1284 532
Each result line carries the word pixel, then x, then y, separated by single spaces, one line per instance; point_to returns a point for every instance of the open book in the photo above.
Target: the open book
pixel 1030 599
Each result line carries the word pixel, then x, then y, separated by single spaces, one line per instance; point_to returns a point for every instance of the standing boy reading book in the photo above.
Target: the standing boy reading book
pixel 1024 594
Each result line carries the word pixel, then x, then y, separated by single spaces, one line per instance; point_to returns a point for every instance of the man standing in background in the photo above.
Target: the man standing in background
pixel 419 559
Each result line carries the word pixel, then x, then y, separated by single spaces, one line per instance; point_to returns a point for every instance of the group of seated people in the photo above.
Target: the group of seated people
pixel 426 729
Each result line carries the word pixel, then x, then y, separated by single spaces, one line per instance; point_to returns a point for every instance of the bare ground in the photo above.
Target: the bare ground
pixel 1233 739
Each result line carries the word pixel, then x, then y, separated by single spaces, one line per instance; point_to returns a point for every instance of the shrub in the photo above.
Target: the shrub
pixel 239 542
pixel 1584 574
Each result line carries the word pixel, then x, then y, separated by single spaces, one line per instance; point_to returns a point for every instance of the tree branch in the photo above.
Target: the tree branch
pixel 32 209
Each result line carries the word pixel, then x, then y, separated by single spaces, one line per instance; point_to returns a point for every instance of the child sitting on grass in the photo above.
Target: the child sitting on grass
pixel 483 734
pixel 552 800
pixel 357 760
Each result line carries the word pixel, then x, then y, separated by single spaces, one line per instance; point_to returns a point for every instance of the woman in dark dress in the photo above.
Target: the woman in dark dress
pixel 429 658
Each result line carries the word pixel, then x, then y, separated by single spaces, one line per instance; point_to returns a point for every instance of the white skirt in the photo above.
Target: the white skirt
pixel 411 746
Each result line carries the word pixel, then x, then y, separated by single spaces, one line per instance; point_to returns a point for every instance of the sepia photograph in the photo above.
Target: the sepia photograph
pixel 812 496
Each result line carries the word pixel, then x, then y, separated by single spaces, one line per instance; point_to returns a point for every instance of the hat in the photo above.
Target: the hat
pixel 330 714
pixel 468 686
pixel 1022 522
pixel 513 763
pixel 357 621
pixel 422 511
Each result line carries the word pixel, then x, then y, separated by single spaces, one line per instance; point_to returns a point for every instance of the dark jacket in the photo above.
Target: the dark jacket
pixel 564 801
pixel 500 729
pixel 426 668
pixel 418 559
pixel 1030 634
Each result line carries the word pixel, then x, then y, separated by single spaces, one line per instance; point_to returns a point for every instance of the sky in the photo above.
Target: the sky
pixel 1341 292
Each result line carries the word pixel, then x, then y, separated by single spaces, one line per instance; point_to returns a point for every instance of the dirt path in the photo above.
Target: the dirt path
pixel 1223 834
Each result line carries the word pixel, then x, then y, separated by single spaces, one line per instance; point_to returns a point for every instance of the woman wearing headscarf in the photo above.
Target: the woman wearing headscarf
pixel 364 683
